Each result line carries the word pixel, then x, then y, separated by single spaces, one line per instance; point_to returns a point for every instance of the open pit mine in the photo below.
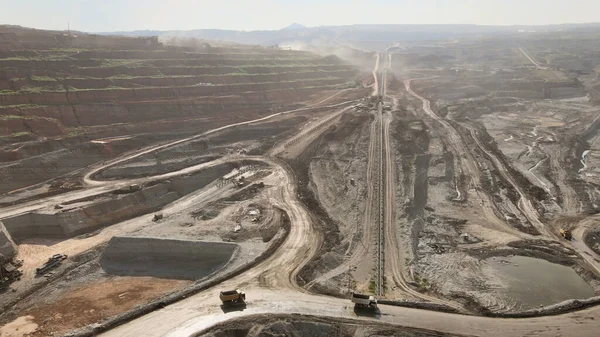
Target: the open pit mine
pixel 156 187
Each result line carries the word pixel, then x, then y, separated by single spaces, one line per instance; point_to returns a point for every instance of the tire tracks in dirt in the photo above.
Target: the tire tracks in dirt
pixel 464 159
pixel 525 205
pixel 394 253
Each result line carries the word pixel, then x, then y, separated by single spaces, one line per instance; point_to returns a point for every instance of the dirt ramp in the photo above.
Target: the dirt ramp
pixel 165 258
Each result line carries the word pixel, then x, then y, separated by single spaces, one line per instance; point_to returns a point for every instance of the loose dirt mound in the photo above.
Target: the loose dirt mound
pixel 165 258
pixel 300 326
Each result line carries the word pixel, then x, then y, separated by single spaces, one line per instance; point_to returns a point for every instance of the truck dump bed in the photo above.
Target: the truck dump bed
pixel 232 295
pixel 364 300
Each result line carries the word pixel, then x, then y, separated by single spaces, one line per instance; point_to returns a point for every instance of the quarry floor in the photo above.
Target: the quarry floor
pixel 323 173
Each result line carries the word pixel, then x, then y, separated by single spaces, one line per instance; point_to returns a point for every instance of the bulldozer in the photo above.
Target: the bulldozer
pixel 566 234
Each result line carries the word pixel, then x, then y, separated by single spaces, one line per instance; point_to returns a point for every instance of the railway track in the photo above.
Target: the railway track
pixel 379 285
pixel 380 203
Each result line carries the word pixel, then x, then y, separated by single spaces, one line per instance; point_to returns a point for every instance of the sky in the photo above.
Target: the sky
pixel 125 15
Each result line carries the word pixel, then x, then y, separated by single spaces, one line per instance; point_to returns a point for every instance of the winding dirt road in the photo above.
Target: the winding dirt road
pixel 271 288
pixel 190 316
pixel 271 285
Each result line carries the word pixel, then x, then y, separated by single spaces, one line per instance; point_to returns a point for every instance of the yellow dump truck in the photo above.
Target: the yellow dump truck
pixel 566 234
pixel 232 297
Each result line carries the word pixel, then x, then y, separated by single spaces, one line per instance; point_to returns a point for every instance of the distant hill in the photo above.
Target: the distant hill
pixel 357 35
pixel 295 26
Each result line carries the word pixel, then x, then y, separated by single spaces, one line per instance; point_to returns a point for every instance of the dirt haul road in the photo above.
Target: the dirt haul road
pixel 36 252
pixel 537 65
pixel 103 186
pixel 190 316
pixel 88 177
pixel 271 286
pixel 271 289
pixel 375 70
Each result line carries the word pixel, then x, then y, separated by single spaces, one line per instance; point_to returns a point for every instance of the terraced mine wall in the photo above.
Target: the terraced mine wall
pixel 50 91
pixel 138 171
pixel 74 97
pixel 109 210
pixel 504 87
pixel 165 258
pixel 8 249
pixel 41 167
pixel 82 220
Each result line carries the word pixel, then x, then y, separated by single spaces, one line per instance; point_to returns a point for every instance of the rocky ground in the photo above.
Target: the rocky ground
pixel 299 325
pixel 456 176
pixel 524 133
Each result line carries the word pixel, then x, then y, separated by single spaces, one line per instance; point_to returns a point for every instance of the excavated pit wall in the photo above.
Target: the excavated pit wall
pixel 8 249
pixel 82 220
pixel 165 258
pixel 69 223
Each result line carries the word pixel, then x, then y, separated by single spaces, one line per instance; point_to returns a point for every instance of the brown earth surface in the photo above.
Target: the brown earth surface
pixel 96 301
pixel 441 188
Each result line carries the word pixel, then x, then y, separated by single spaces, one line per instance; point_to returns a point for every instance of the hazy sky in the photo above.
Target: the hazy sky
pixel 113 15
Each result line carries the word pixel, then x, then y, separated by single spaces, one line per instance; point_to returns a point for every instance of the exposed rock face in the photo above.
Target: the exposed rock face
pixel 85 219
pixel 108 209
pixel 8 249
pixel 168 258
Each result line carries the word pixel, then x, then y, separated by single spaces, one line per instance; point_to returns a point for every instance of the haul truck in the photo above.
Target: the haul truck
pixel 566 234
pixel 364 301
pixel 232 297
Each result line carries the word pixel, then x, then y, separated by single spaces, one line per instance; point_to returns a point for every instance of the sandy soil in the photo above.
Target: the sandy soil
pixel 96 301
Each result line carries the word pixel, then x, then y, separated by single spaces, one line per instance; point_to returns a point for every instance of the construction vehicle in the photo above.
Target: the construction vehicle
pixel 566 234
pixel 362 301
pixel 231 297
pixel 53 262
pixel 9 273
